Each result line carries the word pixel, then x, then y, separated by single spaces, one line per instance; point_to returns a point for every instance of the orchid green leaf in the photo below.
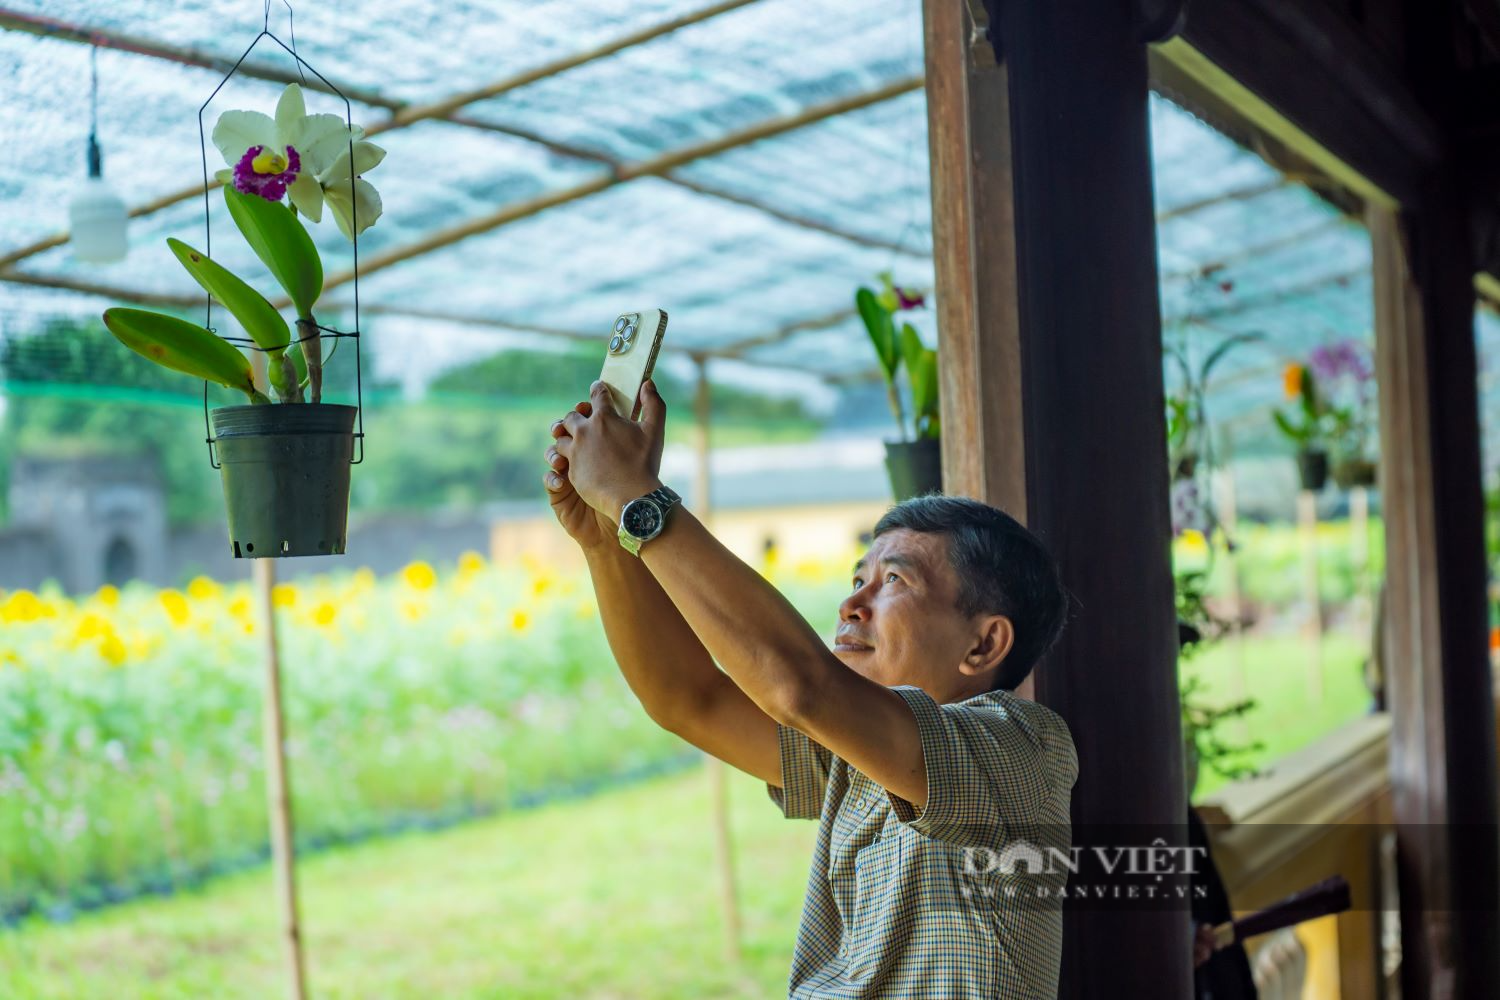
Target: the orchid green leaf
pixel 281 243
pixel 1297 434
pixel 182 346
pixel 259 318
pixel 881 330
pixel 921 368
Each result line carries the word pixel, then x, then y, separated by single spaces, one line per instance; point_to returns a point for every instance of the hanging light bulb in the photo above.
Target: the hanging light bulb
pixel 97 215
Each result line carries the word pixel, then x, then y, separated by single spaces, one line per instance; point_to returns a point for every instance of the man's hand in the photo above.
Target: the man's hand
pixel 584 525
pixel 612 460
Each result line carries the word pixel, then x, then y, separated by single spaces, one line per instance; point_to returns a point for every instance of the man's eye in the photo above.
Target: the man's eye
pixel 891 576
pixel 858 583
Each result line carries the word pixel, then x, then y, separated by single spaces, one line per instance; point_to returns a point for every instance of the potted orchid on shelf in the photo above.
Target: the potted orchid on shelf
pixel 1345 374
pixel 915 464
pixel 285 467
pixel 1308 426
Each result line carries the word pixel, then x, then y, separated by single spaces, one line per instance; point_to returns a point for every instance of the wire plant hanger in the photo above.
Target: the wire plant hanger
pixel 208 186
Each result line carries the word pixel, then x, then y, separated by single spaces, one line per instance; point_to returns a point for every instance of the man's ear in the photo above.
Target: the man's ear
pixel 992 644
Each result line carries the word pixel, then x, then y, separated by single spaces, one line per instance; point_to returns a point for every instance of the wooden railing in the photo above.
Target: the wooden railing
pixel 1323 810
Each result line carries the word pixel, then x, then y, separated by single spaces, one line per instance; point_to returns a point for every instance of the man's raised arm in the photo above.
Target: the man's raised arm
pixel 659 655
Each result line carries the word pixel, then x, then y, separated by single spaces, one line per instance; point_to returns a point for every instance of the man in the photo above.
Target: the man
pixel 928 776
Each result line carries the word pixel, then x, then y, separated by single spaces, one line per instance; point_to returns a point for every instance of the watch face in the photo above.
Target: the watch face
pixel 642 519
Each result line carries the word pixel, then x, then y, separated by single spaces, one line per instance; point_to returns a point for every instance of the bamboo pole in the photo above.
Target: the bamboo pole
pixel 731 351
pixel 717 769
pixel 279 786
pixel 795 219
pixel 1234 194
pixel 654 167
pixel 95 288
pixel 1307 523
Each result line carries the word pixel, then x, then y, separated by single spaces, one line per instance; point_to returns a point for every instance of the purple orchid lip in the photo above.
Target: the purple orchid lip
pixel 909 300
pixel 271 187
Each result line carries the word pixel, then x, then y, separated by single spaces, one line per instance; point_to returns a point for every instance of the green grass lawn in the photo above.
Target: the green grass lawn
pixel 1277 672
pixel 611 897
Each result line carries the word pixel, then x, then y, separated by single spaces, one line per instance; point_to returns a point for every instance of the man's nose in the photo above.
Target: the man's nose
pixel 854 608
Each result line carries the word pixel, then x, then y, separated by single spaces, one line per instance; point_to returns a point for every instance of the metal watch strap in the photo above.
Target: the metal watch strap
pixel 665 498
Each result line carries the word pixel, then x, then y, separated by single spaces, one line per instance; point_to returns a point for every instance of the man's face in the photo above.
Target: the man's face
pixel 901 624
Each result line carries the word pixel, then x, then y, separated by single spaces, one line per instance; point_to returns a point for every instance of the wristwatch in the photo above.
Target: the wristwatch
pixel 643 518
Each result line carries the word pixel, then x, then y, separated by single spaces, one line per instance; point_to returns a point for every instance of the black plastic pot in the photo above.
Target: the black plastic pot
pixel 1187 464
pixel 1312 467
pixel 285 469
pixel 915 467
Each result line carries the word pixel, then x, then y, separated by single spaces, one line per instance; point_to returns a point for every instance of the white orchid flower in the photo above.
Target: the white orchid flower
pixel 305 157
pixel 354 202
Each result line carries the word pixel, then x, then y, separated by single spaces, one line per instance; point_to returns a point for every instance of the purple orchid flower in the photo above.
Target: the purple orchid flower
pixel 266 173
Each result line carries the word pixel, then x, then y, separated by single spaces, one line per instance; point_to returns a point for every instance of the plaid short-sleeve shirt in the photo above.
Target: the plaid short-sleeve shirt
pixel 915 906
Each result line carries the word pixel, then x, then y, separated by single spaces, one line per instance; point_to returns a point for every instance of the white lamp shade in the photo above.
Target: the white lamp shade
pixel 97 216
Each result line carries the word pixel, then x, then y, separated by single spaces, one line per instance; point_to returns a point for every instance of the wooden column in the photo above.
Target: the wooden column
pixel 1443 769
pixel 1053 403
pixel 974 253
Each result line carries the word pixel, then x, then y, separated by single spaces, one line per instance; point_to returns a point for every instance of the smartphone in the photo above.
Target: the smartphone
pixel 634 342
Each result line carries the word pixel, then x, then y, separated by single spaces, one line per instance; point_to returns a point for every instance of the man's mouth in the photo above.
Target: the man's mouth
pixel 849 644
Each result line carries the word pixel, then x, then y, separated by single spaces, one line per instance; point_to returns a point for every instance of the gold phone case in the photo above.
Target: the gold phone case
pixel 634 342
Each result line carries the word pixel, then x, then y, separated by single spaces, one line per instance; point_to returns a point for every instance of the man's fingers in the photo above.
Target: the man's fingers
pixel 556 460
pixel 653 409
pixel 563 447
pixel 572 422
pixel 554 483
pixel 583 409
pixel 599 396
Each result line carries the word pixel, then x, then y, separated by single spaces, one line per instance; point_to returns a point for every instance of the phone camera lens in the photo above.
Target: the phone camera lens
pixel 621 324
pixel 629 333
pixel 615 343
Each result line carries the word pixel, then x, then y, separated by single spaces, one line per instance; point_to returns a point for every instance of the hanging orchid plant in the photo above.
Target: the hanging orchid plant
pixel 892 346
pixel 311 161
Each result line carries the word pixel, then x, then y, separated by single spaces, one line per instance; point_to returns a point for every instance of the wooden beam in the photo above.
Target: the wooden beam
pixel 1306 75
pixel 974 258
pixel 1062 418
pixel 1228 117
pixel 654 167
pixel 1443 768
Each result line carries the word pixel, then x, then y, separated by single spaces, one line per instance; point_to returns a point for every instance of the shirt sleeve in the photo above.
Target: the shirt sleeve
pixel 988 768
pixel 805 766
